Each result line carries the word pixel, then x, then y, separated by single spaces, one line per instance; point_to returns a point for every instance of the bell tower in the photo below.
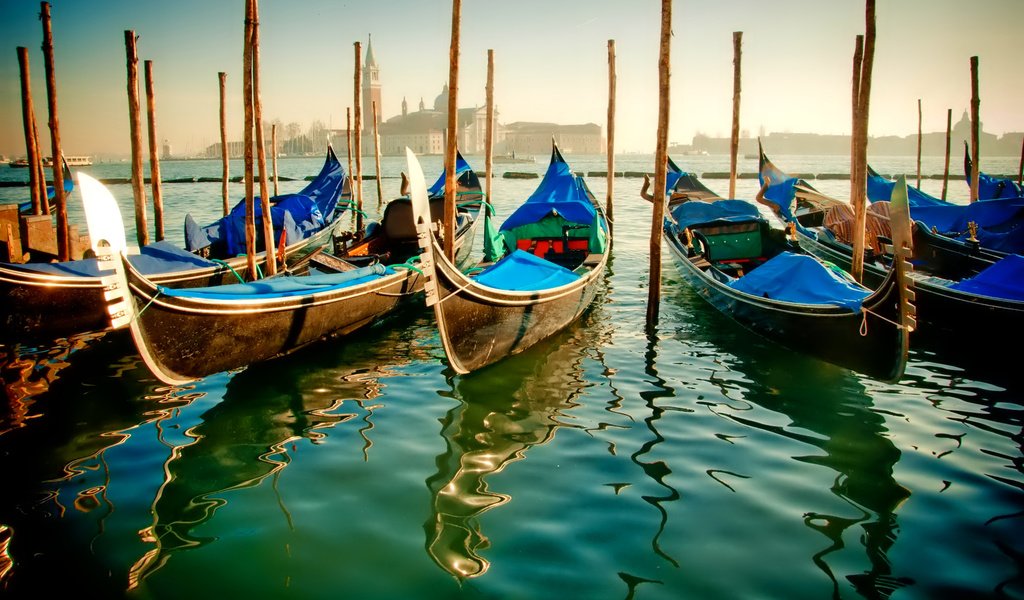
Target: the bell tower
pixel 371 88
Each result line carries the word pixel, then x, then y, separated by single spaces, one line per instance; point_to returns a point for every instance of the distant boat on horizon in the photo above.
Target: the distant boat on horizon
pixel 72 161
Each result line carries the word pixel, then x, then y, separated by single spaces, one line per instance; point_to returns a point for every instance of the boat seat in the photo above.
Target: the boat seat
pixel 398 224
pixel 733 243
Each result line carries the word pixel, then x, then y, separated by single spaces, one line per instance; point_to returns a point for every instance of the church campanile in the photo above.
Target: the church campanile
pixel 371 89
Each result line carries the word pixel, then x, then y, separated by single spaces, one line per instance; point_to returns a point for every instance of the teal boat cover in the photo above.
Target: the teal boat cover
pixel 523 272
pixel 790 277
pixel 560 192
pixel 282 286
pixel 1004 279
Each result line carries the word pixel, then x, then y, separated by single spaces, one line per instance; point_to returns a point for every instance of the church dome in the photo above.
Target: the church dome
pixel 441 102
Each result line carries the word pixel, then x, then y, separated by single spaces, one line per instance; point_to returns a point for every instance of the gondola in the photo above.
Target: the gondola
pixel 990 187
pixel 186 334
pixel 727 251
pixel 961 291
pixel 556 247
pixel 25 208
pixel 40 302
pixel 938 254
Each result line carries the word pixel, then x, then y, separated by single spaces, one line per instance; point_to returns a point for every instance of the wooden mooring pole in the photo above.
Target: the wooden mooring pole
pixel 225 153
pixel 609 206
pixel 453 133
pixel 154 158
pixel 858 58
pixel 945 170
pixel 31 143
pixel 357 141
pixel 660 165
pixel 975 130
pixel 734 145
pixel 63 240
pixel 261 147
pixel 919 136
pixel 273 153
pixel 489 135
pixel 250 202
pixel 135 122
pixel 376 150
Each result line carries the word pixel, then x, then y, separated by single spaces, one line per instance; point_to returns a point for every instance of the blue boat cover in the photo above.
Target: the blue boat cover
pixel 283 286
pixel 1004 279
pixel 880 190
pixel 158 257
pixel 991 188
pixel 791 277
pixel 298 215
pixel 461 166
pixel 672 176
pixel 523 272
pixel 689 214
pixel 560 192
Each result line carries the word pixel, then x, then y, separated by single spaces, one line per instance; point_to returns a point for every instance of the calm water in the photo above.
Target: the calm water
pixel 692 461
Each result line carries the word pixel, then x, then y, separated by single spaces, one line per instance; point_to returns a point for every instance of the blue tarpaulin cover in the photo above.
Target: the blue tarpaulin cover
pixel 990 188
pixel 560 191
pixel 1004 279
pixel 461 166
pixel 880 190
pixel 522 271
pixel 688 214
pixel 158 257
pixel 283 286
pixel 800 278
pixel 299 215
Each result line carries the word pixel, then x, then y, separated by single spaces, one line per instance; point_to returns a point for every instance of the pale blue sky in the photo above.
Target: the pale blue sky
pixel 551 64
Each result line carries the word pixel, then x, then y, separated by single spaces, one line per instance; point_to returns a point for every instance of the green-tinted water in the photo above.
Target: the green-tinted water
pixel 696 460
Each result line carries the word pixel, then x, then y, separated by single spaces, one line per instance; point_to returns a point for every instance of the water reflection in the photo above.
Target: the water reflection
pixel 249 438
pixel 828 408
pixel 488 430
pixel 69 407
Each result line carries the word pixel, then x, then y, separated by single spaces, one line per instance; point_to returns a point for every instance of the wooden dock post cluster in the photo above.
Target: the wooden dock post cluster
pixel 33 235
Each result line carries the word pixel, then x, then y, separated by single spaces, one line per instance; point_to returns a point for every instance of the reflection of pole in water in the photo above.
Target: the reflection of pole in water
pixel 658 470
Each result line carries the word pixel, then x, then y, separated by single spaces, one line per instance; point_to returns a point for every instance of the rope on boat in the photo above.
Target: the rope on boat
pixel 406 265
pixel 230 268
pixel 864 321
pixel 151 301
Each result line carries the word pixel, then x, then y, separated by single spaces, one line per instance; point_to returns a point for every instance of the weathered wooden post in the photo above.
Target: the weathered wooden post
pixel 38 168
pixel 376 150
pixel 859 198
pixel 453 133
pixel 261 147
pixel 135 121
pixel 348 139
pixel 357 141
pixel 250 202
pixel 154 158
pixel 734 146
pixel 31 143
pixel 489 136
pixel 919 134
pixel 660 165
pixel 1020 169
pixel 609 208
pixel 273 148
pixel 945 171
pixel 225 153
pixel 63 241
pixel 858 58
pixel 975 130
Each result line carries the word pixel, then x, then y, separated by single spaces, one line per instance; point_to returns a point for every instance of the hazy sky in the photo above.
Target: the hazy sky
pixel 550 64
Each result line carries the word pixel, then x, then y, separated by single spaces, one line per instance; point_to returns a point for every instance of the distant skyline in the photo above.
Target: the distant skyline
pixel 550 64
